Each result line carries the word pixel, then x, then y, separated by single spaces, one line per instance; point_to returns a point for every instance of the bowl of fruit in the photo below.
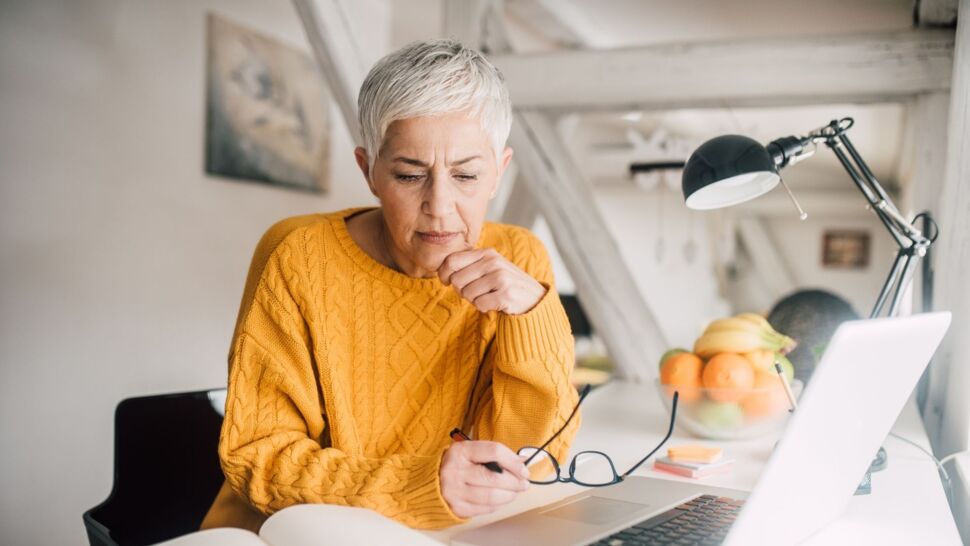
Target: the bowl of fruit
pixel 734 384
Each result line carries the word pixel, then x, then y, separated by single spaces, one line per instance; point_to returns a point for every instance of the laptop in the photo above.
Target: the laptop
pixel 857 391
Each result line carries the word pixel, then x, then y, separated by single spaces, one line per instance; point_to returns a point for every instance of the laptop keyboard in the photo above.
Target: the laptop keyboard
pixel 704 520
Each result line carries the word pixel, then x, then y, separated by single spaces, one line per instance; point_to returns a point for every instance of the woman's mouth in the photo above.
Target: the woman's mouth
pixel 438 237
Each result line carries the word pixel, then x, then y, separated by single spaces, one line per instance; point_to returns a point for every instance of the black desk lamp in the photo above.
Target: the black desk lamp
pixel 731 169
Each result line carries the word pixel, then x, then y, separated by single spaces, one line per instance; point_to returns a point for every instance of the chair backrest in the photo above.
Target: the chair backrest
pixel 166 469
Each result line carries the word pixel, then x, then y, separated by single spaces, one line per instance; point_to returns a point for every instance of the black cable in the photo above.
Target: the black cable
pixel 936 228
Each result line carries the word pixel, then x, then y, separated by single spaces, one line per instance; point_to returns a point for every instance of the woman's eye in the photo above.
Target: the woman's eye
pixel 408 177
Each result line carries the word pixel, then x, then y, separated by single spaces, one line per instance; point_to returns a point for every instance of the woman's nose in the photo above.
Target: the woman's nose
pixel 439 199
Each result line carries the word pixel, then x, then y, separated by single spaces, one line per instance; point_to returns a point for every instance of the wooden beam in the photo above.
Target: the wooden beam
pixel 950 379
pixel 604 285
pixel 770 266
pixel 936 13
pixel 764 72
pixel 338 56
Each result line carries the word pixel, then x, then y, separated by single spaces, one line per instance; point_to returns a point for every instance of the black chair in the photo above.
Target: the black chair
pixel 578 321
pixel 166 469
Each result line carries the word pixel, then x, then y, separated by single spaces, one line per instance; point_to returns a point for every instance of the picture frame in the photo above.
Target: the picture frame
pixel 267 110
pixel 846 249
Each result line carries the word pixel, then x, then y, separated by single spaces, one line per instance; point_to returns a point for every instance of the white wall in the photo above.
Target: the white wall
pixel 122 262
pixel 682 294
pixel 799 245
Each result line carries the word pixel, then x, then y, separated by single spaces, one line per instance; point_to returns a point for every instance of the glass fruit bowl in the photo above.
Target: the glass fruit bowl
pixel 730 414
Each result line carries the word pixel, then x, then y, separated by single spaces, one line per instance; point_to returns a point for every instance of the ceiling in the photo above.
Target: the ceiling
pixel 606 142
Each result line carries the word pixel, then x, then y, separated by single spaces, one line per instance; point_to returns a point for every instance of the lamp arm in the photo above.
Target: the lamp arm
pixel 912 243
pixel 871 195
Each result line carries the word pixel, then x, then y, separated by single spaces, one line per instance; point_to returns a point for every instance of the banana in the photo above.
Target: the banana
pixel 763 360
pixel 733 324
pixel 743 333
pixel 757 319
pixel 787 344
pixel 735 341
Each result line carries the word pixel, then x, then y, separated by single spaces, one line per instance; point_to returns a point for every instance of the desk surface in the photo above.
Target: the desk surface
pixel 907 504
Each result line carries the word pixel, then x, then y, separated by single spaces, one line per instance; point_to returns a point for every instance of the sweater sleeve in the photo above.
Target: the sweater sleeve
pixel 272 441
pixel 531 360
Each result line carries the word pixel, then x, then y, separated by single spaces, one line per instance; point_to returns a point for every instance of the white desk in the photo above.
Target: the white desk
pixel 907 505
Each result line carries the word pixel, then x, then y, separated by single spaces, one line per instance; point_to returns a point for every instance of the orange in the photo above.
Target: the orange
pixel 682 371
pixel 769 399
pixel 730 375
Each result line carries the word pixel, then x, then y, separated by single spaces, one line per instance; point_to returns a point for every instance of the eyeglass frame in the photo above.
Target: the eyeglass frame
pixel 617 478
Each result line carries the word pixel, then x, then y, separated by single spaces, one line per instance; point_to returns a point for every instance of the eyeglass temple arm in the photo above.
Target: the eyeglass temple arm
pixel 542 448
pixel 670 430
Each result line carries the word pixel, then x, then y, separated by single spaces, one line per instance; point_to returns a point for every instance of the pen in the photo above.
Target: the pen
pixel 784 382
pixel 458 436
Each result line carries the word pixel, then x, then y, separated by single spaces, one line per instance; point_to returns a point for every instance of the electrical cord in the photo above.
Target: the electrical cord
pixel 939 464
pixel 951 456
pixel 935 228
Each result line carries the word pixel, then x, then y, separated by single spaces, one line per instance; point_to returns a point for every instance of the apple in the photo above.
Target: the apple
pixel 786 366
pixel 719 415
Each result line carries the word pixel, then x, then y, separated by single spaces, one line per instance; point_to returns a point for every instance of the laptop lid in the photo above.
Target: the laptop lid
pixel 867 373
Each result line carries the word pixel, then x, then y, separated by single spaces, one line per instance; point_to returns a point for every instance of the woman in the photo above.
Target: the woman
pixel 366 335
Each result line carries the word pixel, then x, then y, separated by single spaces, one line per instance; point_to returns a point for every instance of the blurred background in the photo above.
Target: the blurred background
pixel 127 219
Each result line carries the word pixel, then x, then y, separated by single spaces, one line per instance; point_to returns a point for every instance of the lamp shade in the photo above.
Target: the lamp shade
pixel 728 170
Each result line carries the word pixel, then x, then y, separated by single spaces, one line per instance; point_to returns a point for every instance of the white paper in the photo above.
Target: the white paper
pixel 316 524
pixel 217 537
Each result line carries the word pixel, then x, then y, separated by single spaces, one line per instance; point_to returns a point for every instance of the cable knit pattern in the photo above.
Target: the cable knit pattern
pixel 346 376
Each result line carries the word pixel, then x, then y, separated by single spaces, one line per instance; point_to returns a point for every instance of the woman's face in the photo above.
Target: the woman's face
pixel 434 177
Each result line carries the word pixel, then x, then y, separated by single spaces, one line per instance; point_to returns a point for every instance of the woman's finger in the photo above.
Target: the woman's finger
pixel 487 496
pixel 472 272
pixel 457 261
pixel 482 452
pixel 492 301
pixel 466 510
pixel 490 282
pixel 480 476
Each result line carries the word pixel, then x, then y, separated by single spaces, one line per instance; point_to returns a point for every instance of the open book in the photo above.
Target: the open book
pixel 313 525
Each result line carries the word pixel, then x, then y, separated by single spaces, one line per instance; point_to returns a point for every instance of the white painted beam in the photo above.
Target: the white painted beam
pixel 764 72
pixel 560 23
pixel 775 275
pixel 950 379
pixel 464 20
pixel 605 288
pixel 338 55
pixel 920 169
pixel 520 208
pixel 936 13
pixel 846 203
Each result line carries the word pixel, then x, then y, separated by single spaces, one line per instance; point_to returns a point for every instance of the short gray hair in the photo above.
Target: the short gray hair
pixel 432 78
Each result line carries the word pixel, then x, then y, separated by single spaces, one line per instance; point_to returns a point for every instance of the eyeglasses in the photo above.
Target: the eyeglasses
pixel 588 468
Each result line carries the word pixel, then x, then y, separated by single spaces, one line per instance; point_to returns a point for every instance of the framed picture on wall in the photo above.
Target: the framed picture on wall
pixel 267 110
pixel 846 249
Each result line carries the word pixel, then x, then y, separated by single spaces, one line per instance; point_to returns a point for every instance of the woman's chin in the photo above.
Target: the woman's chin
pixel 430 262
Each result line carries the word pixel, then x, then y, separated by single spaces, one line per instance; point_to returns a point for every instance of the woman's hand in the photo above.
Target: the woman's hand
pixel 469 488
pixel 491 282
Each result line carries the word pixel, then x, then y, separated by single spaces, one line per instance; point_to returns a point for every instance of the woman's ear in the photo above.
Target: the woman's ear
pixel 360 155
pixel 503 164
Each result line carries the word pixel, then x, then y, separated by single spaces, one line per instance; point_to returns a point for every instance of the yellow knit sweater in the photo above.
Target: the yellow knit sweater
pixel 345 376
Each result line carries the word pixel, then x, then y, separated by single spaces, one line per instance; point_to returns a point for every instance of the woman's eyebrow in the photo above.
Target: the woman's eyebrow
pixel 419 163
